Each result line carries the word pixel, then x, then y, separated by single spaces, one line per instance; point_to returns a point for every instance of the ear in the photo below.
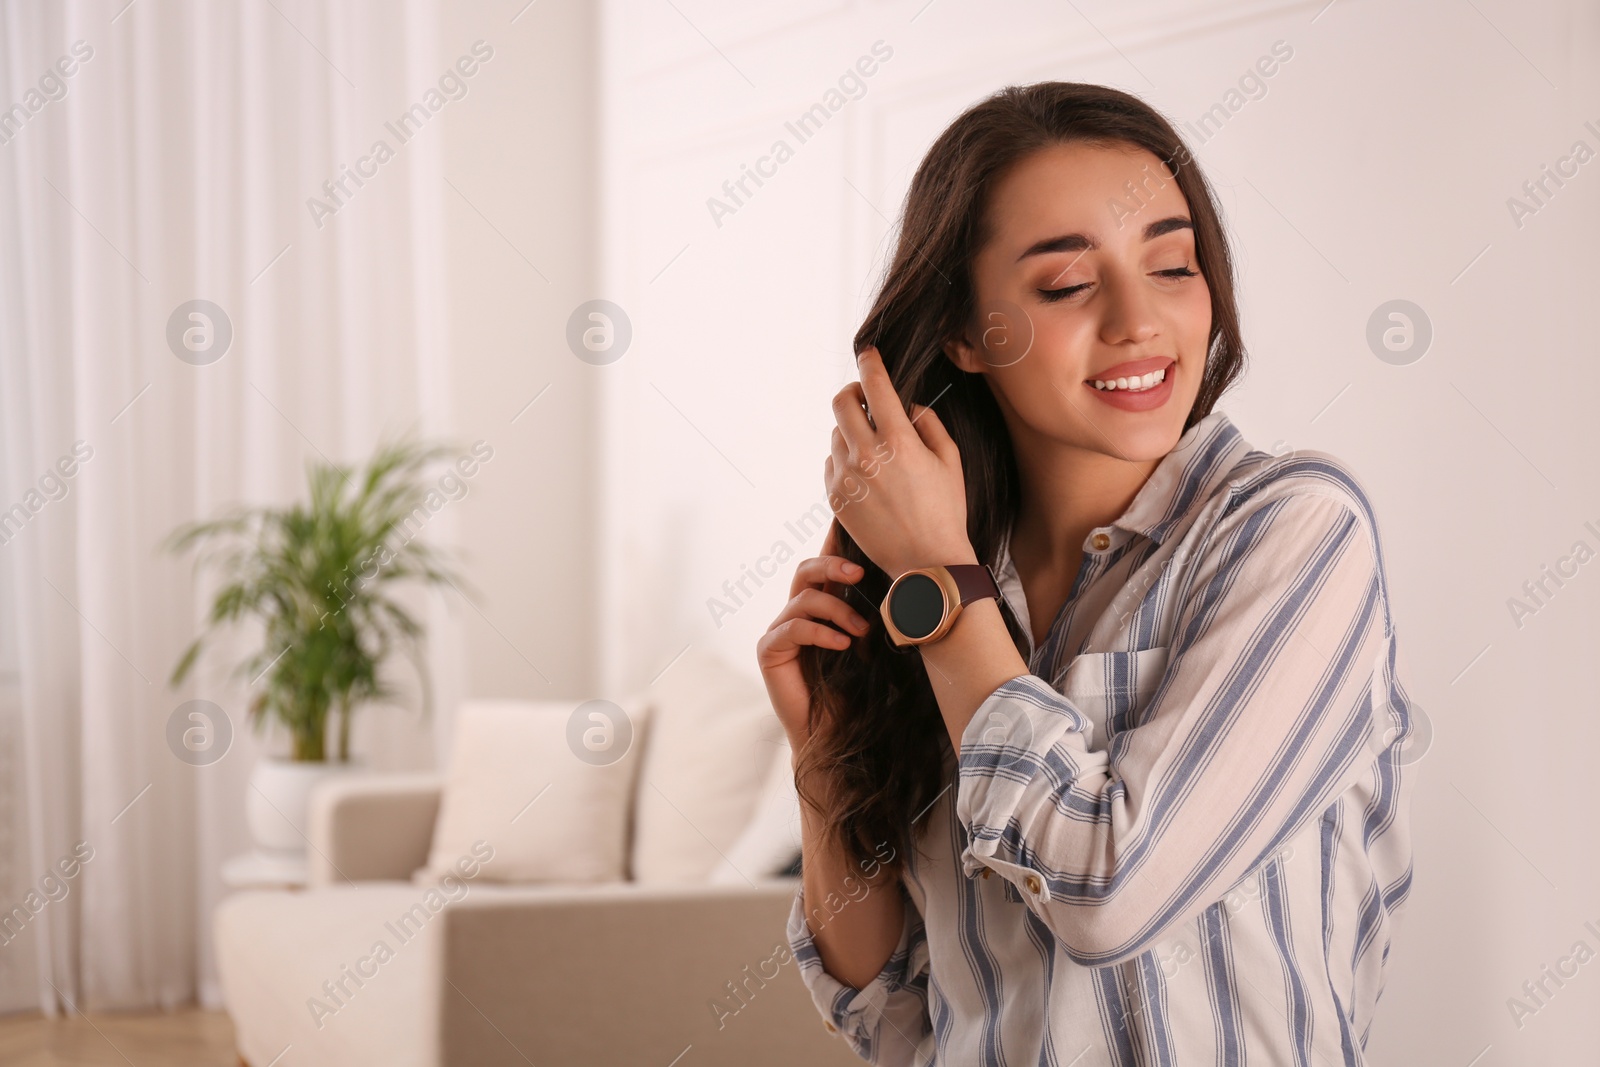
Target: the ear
pixel 961 352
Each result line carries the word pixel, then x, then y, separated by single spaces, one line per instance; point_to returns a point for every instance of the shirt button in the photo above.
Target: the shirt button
pixel 987 872
pixel 1032 883
pixel 1102 541
pixel 832 1029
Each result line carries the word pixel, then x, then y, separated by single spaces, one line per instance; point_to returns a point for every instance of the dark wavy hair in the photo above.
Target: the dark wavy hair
pixel 875 728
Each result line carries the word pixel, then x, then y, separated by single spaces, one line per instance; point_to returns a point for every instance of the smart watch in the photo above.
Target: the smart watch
pixel 923 603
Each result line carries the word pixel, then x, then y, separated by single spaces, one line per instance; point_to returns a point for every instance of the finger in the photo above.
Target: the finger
pixel 816 604
pixel 887 411
pixel 852 416
pixel 830 540
pixel 839 451
pixel 831 547
pixel 929 427
pixel 790 635
pixel 816 572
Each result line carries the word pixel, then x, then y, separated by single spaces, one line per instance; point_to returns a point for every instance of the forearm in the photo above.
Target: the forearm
pixel 969 663
pixel 855 920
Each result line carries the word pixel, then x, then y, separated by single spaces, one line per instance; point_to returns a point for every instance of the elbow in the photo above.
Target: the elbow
pixel 1100 933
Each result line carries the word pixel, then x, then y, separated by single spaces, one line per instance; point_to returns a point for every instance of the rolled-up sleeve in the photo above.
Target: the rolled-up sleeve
pixel 1259 721
pixel 885 1021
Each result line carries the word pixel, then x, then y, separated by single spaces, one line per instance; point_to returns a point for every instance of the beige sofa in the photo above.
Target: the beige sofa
pixel 551 975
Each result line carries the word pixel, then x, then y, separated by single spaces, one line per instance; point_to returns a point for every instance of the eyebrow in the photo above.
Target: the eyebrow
pixel 1077 242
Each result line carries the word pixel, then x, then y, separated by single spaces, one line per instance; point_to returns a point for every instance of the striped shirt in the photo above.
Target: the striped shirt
pixel 1183 838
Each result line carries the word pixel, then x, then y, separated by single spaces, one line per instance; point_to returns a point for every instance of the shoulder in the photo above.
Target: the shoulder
pixel 1303 516
pixel 1292 502
pixel 1304 480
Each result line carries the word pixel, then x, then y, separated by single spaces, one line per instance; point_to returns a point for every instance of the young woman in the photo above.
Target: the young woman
pixel 1124 784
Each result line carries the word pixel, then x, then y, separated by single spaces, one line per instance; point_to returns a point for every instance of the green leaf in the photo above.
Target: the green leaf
pixel 317 575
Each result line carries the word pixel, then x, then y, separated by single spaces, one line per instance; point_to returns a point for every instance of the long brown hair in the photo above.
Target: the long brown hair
pixel 875 724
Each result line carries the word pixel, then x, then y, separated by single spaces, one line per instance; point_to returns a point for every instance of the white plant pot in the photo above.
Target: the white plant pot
pixel 276 806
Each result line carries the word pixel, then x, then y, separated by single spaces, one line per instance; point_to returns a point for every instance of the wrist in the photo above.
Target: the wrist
pixel 954 555
pixel 924 603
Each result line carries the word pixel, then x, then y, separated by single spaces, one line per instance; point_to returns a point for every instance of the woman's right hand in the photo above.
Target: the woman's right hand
pixel 811 599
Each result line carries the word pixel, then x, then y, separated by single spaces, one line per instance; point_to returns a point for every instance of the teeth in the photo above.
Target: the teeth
pixel 1133 385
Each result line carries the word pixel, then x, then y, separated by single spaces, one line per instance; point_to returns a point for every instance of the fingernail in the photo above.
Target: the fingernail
pixel 852 568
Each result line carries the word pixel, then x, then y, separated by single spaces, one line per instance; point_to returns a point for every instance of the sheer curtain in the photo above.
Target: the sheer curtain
pixel 157 154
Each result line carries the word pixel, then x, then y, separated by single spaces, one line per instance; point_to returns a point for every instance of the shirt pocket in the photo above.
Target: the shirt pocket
pixel 1112 688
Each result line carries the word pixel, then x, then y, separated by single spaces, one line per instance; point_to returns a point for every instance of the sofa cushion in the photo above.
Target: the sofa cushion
pixel 519 974
pixel 531 781
pixel 306 970
pixel 708 749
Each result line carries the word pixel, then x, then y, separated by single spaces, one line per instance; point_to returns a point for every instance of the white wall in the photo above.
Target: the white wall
pixel 1377 166
pixel 521 214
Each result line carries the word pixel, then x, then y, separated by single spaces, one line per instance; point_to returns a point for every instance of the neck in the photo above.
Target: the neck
pixel 1066 492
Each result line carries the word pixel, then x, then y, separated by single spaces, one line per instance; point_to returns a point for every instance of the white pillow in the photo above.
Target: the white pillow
pixel 772 840
pixel 517 785
pixel 712 738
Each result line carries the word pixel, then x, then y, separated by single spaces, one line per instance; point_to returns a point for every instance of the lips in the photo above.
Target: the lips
pixel 1133 368
pixel 1137 399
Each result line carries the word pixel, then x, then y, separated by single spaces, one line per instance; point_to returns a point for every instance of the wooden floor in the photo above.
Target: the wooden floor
pixel 189 1038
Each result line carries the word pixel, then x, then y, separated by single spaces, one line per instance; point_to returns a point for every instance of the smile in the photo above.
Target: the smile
pixel 1136 384
pixel 1141 385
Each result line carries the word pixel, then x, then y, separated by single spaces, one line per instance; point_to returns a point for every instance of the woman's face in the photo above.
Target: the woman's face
pixel 1085 277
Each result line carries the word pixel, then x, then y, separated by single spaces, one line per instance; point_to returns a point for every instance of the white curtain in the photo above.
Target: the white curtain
pixel 174 163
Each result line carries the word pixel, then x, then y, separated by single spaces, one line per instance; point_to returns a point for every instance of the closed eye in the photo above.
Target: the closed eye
pixel 1050 296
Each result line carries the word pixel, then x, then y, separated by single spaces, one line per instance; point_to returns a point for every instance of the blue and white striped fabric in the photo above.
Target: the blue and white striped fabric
pixel 1184 837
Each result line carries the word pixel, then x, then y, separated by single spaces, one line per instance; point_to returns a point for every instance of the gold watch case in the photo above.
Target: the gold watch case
pixel 952 606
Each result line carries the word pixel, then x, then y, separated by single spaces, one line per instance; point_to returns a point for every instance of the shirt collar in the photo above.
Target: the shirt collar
pixel 1204 456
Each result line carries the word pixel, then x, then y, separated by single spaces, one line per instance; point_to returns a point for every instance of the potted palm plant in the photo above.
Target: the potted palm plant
pixel 319 577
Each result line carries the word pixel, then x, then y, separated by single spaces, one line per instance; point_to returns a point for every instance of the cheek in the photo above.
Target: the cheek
pixel 1191 325
pixel 1194 317
pixel 1059 349
pixel 1062 345
pixel 1055 364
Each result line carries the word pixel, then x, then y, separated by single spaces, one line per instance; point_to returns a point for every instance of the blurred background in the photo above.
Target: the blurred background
pixel 580 264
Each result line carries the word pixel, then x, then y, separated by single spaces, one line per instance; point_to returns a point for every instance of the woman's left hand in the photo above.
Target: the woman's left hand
pixel 897 487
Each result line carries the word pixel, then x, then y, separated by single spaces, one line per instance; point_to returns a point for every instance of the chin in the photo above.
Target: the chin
pixel 1141 443
pixel 1134 436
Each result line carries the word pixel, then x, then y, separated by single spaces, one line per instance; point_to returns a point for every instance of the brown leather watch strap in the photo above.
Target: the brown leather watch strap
pixel 975 580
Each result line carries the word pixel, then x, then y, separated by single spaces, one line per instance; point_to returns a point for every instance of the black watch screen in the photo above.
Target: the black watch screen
pixel 917 606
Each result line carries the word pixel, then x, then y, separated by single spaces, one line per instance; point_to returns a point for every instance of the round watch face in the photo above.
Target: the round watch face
pixel 917 605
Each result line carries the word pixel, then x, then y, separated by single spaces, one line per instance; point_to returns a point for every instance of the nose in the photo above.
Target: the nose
pixel 1128 310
